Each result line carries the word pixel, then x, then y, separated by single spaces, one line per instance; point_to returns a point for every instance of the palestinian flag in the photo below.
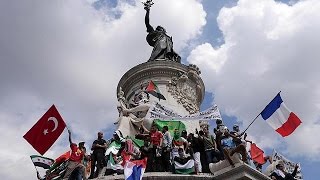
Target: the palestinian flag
pixel 153 89
pixel 41 161
pixel 187 168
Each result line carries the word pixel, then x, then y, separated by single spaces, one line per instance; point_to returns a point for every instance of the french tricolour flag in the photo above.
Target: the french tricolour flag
pixel 279 117
pixel 133 170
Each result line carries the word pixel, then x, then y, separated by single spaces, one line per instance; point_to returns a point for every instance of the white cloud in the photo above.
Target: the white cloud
pixel 269 46
pixel 72 55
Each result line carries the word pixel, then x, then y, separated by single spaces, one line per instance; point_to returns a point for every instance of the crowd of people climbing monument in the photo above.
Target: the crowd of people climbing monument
pixel 159 150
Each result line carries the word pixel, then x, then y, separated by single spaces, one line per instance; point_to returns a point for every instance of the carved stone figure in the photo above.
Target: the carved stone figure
pixel 157 38
pixel 131 119
pixel 184 91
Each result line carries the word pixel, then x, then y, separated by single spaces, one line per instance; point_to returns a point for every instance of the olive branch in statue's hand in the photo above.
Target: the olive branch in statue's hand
pixel 147 4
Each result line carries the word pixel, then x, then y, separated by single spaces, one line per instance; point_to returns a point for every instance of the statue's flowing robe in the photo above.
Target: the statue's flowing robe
pixel 129 126
pixel 162 45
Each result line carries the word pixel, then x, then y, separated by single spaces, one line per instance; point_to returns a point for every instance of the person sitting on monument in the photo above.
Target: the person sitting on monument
pixel 162 43
pixel 182 158
pixel 183 163
pixel 179 147
pixel 178 142
pixel 229 147
pixel 235 130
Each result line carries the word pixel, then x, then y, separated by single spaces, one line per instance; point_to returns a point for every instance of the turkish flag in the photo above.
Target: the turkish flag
pixel 46 131
pixel 257 154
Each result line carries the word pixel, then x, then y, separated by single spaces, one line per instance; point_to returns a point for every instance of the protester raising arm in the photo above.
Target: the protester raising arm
pixel 70 140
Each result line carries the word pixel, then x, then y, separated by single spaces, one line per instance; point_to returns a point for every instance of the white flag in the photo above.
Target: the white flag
pixel 158 111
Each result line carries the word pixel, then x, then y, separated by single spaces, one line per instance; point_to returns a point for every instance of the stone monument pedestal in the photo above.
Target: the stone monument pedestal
pixel 180 84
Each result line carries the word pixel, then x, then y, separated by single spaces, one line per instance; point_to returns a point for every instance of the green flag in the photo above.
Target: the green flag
pixel 137 142
pixel 113 148
pixel 172 125
pixel 41 161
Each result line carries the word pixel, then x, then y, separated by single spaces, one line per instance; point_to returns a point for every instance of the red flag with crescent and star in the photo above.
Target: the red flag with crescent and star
pixel 46 131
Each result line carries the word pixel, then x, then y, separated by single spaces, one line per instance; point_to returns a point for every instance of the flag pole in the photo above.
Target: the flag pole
pixel 256 118
pixel 250 124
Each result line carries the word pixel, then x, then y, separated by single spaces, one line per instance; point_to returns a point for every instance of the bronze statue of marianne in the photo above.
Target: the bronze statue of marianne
pixel 162 43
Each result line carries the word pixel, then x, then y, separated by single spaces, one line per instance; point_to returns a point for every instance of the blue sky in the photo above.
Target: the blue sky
pixel 73 54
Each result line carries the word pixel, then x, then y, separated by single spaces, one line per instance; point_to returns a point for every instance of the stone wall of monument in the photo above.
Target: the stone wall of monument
pixel 180 84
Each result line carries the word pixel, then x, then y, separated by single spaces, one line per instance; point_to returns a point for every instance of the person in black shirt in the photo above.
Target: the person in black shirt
pixel 97 158
pixel 146 151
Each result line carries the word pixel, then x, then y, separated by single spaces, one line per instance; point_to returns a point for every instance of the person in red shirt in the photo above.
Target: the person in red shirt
pixel 75 160
pixel 156 139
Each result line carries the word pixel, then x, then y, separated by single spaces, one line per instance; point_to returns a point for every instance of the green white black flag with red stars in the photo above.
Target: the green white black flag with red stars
pixel 41 161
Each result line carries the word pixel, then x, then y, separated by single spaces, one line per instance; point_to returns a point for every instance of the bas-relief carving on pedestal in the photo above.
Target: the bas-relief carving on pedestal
pixel 185 89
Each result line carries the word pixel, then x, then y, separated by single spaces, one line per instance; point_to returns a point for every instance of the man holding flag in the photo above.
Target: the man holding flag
pixel 77 154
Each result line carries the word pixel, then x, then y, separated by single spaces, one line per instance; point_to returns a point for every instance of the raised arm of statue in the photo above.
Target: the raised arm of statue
pixel 147 21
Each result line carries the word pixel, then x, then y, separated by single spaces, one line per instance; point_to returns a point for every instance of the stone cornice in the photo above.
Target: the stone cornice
pixel 163 71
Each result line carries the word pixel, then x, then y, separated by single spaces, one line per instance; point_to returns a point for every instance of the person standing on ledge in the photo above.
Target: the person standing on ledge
pixel 77 154
pixel 162 43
